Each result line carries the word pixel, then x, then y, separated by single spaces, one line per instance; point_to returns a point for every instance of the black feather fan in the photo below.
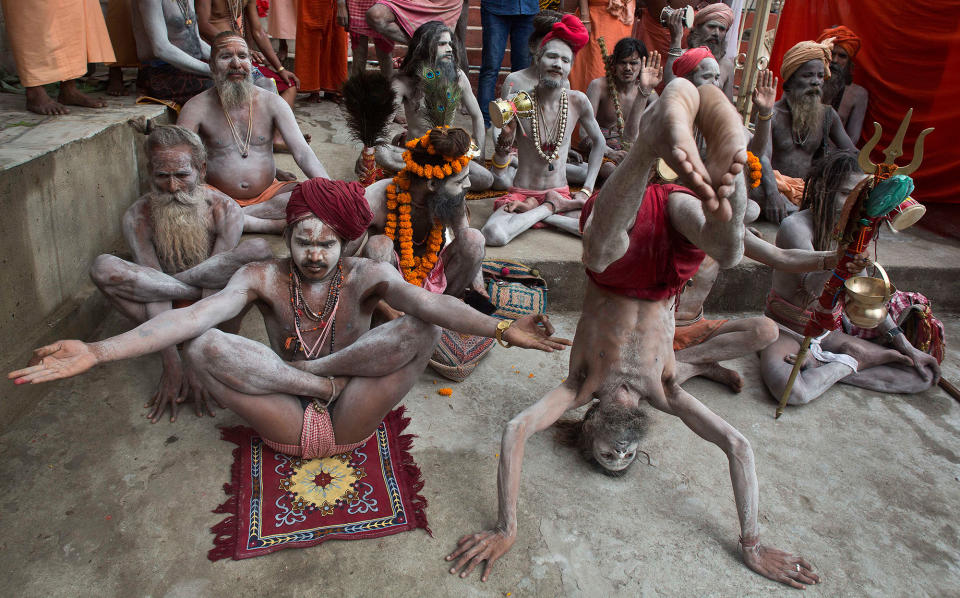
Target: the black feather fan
pixel 368 106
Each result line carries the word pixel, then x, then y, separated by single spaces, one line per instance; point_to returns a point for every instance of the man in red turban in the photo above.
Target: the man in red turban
pixel 849 99
pixel 709 30
pixel 339 204
pixel 699 66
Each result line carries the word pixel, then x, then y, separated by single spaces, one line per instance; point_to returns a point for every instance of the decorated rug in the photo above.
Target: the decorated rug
pixel 278 501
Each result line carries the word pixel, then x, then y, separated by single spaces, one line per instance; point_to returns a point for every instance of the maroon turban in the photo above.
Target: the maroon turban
pixel 569 29
pixel 339 204
pixel 691 59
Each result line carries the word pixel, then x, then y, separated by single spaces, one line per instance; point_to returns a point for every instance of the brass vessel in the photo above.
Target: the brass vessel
pixel 867 297
pixel 502 111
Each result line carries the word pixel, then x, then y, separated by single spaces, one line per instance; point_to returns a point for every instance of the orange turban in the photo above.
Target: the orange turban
pixel 843 37
pixel 690 60
pixel 805 52
pixel 714 12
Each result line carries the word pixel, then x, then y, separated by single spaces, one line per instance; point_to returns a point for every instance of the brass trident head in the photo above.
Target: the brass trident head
pixel 895 149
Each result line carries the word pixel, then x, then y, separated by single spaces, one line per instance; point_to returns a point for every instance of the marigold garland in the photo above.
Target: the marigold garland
pixel 756 170
pixel 399 227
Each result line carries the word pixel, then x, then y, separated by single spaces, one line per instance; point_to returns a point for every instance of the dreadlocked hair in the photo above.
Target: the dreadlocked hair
pixel 441 152
pixel 578 434
pixel 422 49
pixel 542 24
pixel 624 49
pixel 823 179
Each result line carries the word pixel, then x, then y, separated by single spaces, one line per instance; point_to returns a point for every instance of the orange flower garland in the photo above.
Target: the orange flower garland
pixel 399 227
pixel 756 170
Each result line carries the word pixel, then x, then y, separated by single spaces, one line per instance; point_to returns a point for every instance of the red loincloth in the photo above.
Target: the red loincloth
pixel 269 73
pixel 518 194
pixel 696 333
pixel 659 260
pixel 321 62
pixel 411 14
pixel 316 437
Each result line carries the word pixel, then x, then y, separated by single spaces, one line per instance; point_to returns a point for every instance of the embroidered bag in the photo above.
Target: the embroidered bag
pixel 515 288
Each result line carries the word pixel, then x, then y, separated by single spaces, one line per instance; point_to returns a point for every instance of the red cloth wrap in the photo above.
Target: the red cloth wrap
pixel 689 60
pixel 714 12
pixel 569 29
pixel 843 37
pixel 659 260
pixel 339 204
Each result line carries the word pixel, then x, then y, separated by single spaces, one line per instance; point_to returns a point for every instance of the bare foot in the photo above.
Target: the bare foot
pixel 314 97
pixel 115 86
pixel 38 101
pixel 519 207
pixel 874 355
pixel 726 146
pixel 285 175
pixel 730 378
pixel 808 361
pixel 563 204
pixel 70 95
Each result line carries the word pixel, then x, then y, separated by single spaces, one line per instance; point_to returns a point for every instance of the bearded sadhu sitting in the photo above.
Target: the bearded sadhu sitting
pixel 185 237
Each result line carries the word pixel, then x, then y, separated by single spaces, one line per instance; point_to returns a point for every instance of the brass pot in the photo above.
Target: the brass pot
pixel 867 297
pixel 502 111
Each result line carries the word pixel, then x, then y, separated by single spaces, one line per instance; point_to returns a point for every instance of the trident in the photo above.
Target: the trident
pixel 860 230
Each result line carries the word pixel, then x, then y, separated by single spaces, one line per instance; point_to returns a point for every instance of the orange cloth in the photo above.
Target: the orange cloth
pixel 282 19
pixel 843 37
pixel 53 40
pixel 913 80
pixel 321 62
pixel 121 33
pixel 804 52
pixel 588 64
pixel 791 187
pixel 695 334
pixel 273 189
pixel 654 35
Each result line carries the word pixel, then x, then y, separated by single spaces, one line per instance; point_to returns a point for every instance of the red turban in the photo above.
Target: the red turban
pixel 339 204
pixel 843 37
pixel 569 29
pixel 691 59
pixel 714 12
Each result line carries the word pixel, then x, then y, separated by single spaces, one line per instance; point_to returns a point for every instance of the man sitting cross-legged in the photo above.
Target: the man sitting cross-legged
pixel 838 357
pixel 626 90
pixel 640 245
pixel 184 237
pixel 432 49
pixel 540 190
pixel 237 121
pixel 847 98
pixel 327 379
pixel 432 203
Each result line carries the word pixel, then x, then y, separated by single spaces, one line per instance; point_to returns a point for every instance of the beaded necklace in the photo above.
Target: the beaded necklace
pixel 242 146
pixel 184 9
pixel 327 317
pixel 558 133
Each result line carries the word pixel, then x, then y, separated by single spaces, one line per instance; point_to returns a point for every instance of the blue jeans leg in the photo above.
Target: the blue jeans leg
pixel 519 35
pixel 496 28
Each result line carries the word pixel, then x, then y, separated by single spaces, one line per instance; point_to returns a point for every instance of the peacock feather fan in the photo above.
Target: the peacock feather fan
pixel 441 97
pixel 368 106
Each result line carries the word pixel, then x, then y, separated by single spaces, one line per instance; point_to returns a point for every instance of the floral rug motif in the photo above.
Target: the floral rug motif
pixel 279 501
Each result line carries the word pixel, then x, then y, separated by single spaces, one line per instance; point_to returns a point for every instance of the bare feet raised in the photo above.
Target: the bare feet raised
pixel 38 101
pixel 71 96
pixel 726 145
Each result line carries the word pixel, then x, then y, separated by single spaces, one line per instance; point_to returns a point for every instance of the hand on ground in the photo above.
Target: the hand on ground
pixel 171 391
pixel 473 549
pixel 62 359
pixel 779 566
pixel 535 332
pixel 203 400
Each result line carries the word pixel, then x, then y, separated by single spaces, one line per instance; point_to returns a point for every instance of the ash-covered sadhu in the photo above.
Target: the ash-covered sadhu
pixel 327 379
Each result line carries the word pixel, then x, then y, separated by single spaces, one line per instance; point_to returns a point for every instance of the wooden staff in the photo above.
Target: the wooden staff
pixel 749 79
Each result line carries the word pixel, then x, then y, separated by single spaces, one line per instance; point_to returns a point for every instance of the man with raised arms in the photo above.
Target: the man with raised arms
pixel 327 379
pixel 898 367
pixel 641 243
pixel 185 240
pixel 709 30
pixel 540 191
pixel 237 122
pixel 432 48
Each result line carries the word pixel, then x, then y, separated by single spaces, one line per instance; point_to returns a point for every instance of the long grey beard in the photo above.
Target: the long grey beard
pixel 233 93
pixel 833 87
pixel 181 233
pixel 806 112
pixel 695 40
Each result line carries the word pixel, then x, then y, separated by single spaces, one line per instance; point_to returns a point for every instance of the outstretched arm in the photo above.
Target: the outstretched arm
pixel 449 312
pixel 490 545
pixel 64 359
pixel 155 26
pixel 787 260
pixel 769 562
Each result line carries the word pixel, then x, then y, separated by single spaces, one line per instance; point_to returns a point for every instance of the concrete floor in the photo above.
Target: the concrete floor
pixel 98 501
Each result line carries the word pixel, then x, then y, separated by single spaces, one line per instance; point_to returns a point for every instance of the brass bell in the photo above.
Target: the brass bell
pixel 867 297
pixel 502 111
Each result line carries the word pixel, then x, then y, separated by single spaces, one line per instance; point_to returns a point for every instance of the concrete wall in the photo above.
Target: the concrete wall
pixel 60 210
